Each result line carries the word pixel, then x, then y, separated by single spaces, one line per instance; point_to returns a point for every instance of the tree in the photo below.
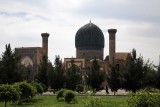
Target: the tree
pixel 26 90
pixel 134 74
pixel 149 75
pixel 57 75
pixel 94 76
pixel 158 77
pixel 8 94
pixel 10 67
pixel 42 71
pixel 50 72
pixel 114 79
pixel 73 76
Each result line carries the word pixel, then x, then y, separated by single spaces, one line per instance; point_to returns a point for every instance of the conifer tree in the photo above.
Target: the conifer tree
pixel 94 76
pixel 10 66
pixel 42 71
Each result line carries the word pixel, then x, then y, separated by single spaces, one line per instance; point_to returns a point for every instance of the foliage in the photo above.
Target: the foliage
pixel 10 67
pixel 114 79
pixel 73 76
pixel 27 91
pixel 158 78
pixel 56 75
pixel 24 73
pixel 143 99
pixel 94 102
pixel 60 94
pixel 133 76
pixel 149 75
pixel 42 71
pixel 69 96
pixel 94 77
pixel 44 87
pixel 38 87
pixel 80 88
pixel 8 94
pixel 139 74
pixel 66 95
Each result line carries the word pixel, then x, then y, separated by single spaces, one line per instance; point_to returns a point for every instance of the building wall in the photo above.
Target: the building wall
pixel 81 63
pixel 30 57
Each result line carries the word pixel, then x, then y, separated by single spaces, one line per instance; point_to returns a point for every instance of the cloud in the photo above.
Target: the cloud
pixel 144 10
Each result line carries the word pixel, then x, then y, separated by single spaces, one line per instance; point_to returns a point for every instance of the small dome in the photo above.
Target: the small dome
pixel 89 37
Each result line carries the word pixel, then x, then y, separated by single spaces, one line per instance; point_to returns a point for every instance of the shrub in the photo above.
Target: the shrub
pixel 144 98
pixel 38 87
pixel 94 102
pixel 60 94
pixel 8 93
pixel 69 96
pixel 44 87
pixel 79 88
pixel 27 91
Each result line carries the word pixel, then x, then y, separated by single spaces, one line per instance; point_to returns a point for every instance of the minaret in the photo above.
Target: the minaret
pixel 45 42
pixel 112 44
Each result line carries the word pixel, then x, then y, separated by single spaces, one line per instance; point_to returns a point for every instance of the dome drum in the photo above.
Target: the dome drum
pixel 90 54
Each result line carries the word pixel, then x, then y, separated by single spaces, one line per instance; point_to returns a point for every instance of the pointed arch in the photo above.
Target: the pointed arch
pixel 27 61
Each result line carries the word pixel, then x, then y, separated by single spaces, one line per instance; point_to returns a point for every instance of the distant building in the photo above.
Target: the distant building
pixel 89 43
pixel 31 56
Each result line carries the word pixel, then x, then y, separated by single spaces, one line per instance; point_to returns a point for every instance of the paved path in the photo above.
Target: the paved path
pixel 102 92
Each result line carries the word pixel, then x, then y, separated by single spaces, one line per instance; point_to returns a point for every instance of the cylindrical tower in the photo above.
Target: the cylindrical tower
pixel 45 42
pixel 112 44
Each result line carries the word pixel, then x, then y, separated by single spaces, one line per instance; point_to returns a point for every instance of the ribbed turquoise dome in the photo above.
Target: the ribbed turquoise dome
pixel 89 37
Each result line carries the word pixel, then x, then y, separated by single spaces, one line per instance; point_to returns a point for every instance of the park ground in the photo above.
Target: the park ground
pixel 81 101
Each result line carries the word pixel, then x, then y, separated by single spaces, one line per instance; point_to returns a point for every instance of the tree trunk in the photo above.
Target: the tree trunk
pixel 5 104
pixel 15 104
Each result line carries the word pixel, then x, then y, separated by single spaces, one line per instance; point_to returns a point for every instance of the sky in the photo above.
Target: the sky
pixel 137 23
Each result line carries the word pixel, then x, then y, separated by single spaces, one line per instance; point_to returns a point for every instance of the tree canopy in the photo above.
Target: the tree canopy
pixel 42 76
pixel 113 79
pixel 11 69
pixel 57 74
pixel 94 76
pixel 73 76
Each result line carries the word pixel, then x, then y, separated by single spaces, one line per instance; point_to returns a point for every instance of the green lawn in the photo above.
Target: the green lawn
pixel 50 101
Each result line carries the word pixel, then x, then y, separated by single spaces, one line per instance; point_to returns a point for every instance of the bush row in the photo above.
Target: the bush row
pixel 66 95
pixel 19 92
pixel 144 98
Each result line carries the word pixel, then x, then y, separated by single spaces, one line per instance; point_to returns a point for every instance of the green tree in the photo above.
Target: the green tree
pixel 149 75
pixel 94 76
pixel 42 71
pixel 8 94
pixel 50 72
pixel 158 77
pixel 10 67
pixel 57 74
pixel 23 73
pixel 73 76
pixel 134 74
pixel 26 90
pixel 114 79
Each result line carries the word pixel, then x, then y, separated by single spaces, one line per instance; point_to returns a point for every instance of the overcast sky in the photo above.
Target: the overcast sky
pixel 137 23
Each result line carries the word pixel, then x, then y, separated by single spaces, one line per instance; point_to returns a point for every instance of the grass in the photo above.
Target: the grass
pixel 50 101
